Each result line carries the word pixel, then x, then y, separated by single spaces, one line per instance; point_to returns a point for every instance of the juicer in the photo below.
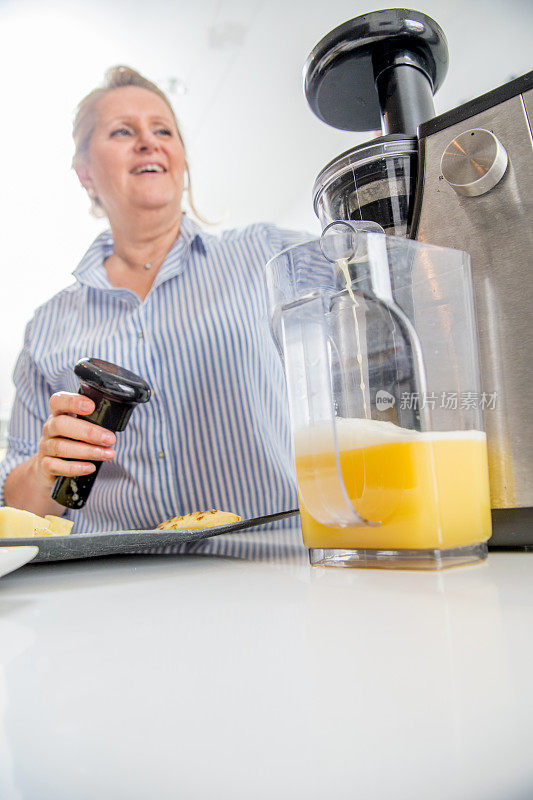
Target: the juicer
pixel 460 180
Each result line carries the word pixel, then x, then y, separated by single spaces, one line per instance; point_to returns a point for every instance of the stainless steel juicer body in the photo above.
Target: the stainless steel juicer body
pixel 494 224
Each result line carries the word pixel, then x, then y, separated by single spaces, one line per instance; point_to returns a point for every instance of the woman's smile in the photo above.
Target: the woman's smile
pixel 150 168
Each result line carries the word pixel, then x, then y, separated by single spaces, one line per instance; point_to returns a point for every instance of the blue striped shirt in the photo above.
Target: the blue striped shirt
pixel 216 432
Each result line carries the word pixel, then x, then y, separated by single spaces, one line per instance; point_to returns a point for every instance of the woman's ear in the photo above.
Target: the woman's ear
pixel 84 176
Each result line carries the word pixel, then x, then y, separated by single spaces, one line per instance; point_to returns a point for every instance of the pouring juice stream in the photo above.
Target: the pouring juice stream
pixel 343 266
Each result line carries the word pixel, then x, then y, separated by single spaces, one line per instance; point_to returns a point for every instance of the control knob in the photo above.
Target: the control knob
pixel 474 162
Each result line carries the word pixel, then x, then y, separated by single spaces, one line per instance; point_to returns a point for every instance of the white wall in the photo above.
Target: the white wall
pixel 254 145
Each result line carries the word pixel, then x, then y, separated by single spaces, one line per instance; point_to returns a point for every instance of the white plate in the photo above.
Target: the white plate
pixel 12 558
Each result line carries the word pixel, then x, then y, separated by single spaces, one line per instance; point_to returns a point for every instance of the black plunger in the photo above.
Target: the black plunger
pixel 115 392
pixel 379 69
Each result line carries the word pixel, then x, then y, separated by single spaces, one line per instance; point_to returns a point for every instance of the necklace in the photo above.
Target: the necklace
pixel 148 265
pixel 157 260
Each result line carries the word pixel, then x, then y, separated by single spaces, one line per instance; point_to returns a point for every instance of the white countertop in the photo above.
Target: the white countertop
pixel 204 676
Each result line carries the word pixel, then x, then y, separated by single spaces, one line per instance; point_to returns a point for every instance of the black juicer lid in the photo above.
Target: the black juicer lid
pixel 348 75
pixel 116 383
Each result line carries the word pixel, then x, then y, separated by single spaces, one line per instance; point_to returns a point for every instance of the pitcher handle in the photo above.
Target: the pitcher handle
pixel 308 370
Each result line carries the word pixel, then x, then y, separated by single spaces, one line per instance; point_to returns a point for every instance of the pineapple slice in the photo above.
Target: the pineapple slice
pixel 59 526
pixel 198 519
pixel 18 524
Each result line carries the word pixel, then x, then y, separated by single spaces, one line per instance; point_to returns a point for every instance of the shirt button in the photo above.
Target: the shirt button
pixel 140 335
pixel 161 454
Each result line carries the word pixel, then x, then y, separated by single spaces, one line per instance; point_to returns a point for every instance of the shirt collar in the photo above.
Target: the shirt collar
pixel 91 271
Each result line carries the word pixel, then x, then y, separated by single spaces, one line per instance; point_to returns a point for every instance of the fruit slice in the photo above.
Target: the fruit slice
pixel 18 524
pixel 198 519
pixel 59 526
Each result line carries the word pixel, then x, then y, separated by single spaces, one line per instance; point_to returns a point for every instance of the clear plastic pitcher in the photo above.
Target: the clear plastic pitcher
pixel 379 343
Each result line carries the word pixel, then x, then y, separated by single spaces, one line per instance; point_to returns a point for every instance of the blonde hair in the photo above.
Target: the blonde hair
pixel 85 121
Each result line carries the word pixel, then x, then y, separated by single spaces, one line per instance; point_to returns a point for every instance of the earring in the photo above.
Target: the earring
pixel 91 193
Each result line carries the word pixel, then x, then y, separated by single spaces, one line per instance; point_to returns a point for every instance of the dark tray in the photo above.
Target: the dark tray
pixel 110 543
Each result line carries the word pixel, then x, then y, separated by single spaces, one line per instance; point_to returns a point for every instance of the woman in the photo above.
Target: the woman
pixel 180 307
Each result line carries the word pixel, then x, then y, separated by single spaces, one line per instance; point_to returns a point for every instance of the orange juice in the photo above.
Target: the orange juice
pixel 428 490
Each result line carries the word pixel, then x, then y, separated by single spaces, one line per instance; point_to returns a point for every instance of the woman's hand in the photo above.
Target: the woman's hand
pixel 68 443
pixel 64 437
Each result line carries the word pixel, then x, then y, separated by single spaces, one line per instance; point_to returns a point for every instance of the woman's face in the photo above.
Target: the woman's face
pixel 136 158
